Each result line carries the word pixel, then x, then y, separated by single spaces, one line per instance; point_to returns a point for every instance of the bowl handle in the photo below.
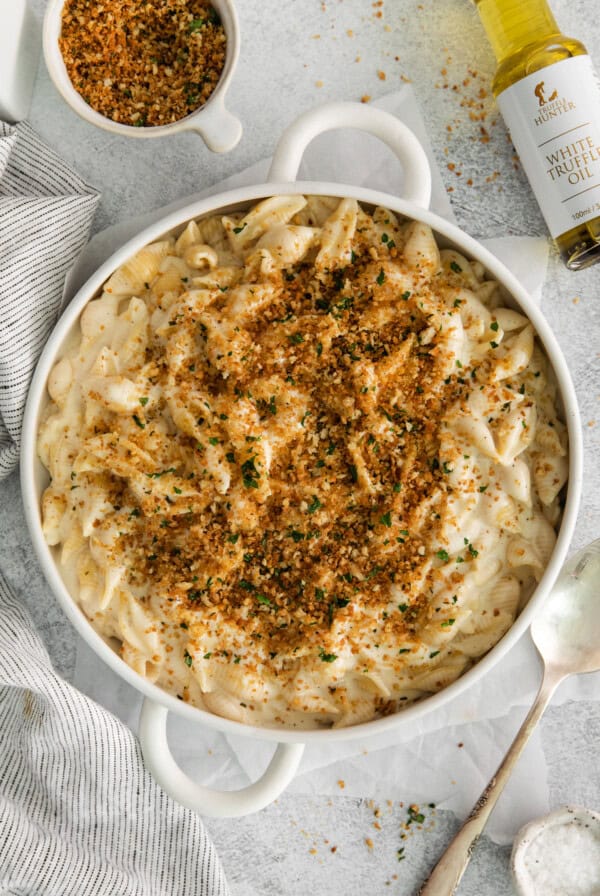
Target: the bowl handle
pixel 391 131
pixel 219 129
pixel 217 803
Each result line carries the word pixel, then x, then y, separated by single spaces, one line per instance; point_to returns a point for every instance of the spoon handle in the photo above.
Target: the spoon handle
pixel 446 875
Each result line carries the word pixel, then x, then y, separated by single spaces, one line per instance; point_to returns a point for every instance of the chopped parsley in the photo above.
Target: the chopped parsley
pixel 160 473
pixel 386 519
pixel 413 811
pixel 314 504
pixel 250 474
pixel 381 277
pixel 327 657
pixel 138 422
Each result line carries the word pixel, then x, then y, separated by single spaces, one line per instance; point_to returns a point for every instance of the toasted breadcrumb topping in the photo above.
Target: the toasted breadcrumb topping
pixel 143 63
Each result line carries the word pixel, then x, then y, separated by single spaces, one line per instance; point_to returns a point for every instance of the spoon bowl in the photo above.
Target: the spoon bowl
pixel 567 630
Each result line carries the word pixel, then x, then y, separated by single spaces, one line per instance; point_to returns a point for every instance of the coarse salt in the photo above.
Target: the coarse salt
pixel 560 855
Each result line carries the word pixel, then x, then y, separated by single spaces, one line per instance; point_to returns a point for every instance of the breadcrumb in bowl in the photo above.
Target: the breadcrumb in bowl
pixel 146 79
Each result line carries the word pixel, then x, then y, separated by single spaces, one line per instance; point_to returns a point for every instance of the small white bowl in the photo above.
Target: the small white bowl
pixel 219 129
pixel 559 854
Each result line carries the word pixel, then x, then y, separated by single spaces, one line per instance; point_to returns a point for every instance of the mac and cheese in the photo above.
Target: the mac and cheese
pixel 305 465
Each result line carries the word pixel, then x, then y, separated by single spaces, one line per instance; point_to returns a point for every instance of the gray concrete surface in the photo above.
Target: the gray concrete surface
pixel 297 53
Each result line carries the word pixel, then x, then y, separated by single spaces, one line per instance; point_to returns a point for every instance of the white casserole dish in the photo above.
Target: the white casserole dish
pixel 34 478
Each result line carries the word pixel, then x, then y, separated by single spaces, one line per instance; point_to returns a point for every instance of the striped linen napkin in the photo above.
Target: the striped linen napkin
pixel 45 215
pixel 78 811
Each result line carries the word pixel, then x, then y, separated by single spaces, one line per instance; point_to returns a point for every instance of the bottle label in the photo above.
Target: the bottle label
pixel 554 120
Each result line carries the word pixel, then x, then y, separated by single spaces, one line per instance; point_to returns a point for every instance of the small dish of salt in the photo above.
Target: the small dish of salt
pixel 559 854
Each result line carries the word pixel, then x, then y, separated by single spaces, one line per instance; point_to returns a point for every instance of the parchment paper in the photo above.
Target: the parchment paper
pixel 447 757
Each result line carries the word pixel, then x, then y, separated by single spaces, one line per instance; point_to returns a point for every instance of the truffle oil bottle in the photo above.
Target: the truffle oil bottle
pixel 549 97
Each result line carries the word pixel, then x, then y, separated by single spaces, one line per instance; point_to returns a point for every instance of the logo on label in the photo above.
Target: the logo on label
pixel 550 106
pixel 540 93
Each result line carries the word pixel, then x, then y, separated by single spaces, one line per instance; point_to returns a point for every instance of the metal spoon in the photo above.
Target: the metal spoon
pixel 567 635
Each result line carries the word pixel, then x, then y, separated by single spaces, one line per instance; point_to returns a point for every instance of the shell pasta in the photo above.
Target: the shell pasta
pixel 305 466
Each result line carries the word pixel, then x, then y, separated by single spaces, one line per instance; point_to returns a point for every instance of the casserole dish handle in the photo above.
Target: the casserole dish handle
pixel 162 766
pixel 389 129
